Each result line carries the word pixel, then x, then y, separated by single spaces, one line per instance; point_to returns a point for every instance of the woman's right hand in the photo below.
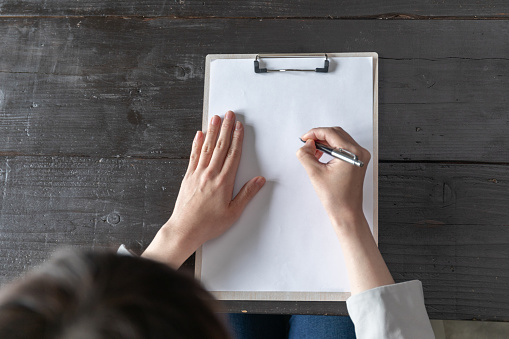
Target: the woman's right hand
pixel 339 185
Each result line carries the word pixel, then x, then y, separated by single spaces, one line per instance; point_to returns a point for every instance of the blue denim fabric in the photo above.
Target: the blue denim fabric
pixel 261 326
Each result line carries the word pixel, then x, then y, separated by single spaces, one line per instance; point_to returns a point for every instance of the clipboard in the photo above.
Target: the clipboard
pixel 231 266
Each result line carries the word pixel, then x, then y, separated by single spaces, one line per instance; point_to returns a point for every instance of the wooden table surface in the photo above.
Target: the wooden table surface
pixel 100 100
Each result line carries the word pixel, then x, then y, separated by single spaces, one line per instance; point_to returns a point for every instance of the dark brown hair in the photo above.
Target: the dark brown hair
pixel 104 295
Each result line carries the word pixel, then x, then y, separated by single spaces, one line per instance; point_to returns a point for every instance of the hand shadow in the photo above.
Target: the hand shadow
pixel 244 236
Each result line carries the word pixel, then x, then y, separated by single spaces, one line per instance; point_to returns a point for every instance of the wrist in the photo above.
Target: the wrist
pixel 170 246
pixel 349 225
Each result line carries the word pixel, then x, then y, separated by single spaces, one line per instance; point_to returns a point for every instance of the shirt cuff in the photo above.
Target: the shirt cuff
pixel 122 250
pixel 392 311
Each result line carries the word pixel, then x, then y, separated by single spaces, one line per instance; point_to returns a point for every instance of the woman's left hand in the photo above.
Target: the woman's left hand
pixel 205 208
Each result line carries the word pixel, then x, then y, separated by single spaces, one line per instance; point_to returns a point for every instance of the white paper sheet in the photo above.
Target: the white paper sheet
pixel 284 240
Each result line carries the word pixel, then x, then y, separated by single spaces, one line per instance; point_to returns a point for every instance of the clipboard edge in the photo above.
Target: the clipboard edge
pixel 375 146
pixel 281 296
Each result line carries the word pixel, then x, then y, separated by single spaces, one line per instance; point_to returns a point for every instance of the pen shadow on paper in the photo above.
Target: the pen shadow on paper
pixel 242 243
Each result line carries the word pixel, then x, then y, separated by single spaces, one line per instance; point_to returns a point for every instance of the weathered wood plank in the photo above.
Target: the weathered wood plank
pixel 446 194
pixel 131 87
pixel 286 307
pixel 250 8
pixel 443 224
pixel 447 225
pixel 48 202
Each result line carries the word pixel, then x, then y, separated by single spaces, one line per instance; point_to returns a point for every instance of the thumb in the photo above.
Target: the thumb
pixel 246 193
pixel 306 156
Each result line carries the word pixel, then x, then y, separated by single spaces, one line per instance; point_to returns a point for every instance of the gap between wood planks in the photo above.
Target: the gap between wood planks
pixel 141 157
pixel 444 162
pixel 384 16
pixel 380 57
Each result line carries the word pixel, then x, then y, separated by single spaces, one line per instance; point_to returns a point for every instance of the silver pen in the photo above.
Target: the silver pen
pixel 339 153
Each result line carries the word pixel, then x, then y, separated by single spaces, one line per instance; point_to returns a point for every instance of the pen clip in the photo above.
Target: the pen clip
pixel 347 153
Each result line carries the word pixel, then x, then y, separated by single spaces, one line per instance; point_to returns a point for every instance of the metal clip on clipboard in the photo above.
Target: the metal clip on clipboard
pixel 325 68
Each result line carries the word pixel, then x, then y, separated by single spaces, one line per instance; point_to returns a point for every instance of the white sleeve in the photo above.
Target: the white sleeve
pixel 122 250
pixel 392 311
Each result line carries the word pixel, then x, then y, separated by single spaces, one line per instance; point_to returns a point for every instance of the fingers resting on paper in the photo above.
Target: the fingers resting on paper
pixel 213 166
pixel 220 150
pixel 205 206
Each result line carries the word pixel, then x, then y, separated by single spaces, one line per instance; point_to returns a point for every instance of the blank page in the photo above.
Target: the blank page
pixel 284 241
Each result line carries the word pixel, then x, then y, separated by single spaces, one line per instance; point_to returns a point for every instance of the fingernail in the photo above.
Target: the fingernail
pixel 229 115
pixel 214 119
pixel 238 125
pixel 196 136
pixel 260 181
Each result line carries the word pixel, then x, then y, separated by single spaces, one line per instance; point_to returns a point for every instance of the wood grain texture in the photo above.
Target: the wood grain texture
pixel 447 225
pixel 250 8
pixel 285 307
pixel 98 203
pixel 131 87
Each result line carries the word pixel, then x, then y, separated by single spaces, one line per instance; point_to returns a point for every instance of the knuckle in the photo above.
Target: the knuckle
pixel 301 153
pixel 233 152
pixel 193 157
pixel 362 153
pixel 220 144
pixel 367 154
pixel 208 175
pixel 222 180
pixel 207 149
pixel 236 138
pixel 227 125
pixel 196 149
